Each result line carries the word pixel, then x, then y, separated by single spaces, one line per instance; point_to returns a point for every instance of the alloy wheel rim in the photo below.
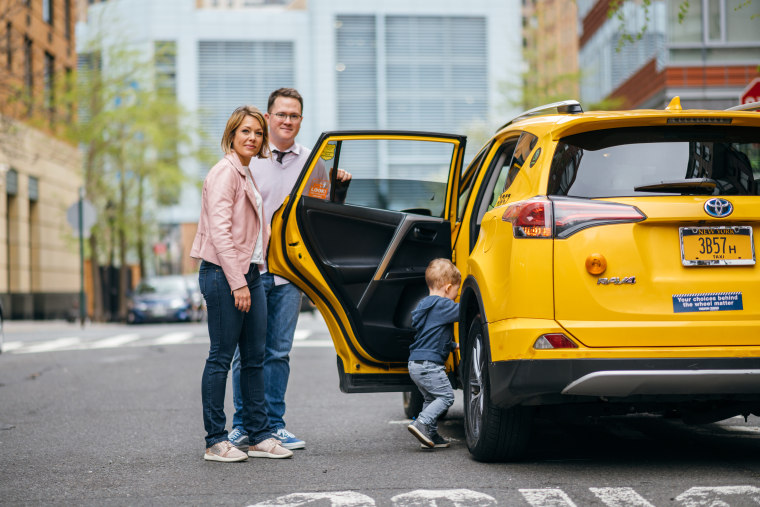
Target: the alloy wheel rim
pixel 475 381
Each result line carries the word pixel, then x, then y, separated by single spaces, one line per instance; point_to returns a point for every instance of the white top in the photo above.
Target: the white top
pixel 258 249
pixel 276 180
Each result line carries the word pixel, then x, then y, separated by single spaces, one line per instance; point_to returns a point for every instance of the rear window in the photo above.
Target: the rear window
pixel 695 160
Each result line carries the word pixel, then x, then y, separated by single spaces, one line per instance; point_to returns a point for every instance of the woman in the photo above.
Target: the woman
pixel 231 240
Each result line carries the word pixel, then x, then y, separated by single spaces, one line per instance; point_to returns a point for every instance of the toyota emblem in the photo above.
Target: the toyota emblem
pixel 718 207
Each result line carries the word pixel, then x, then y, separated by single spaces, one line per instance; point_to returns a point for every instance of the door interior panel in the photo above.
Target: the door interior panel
pixel 374 262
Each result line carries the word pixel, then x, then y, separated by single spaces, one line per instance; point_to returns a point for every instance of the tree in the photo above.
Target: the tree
pixel 133 138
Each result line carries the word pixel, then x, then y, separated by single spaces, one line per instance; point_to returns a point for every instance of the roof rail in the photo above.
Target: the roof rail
pixel 749 106
pixel 563 107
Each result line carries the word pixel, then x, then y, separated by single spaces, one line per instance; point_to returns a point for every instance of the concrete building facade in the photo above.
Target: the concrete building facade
pixel 40 173
pixel 400 64
pixel 550 46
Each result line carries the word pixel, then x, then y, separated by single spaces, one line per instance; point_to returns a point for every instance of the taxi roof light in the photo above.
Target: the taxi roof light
pixel 554 341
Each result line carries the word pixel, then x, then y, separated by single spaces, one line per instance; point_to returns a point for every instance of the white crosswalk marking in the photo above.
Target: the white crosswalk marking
pixel 313 343
pixel 302 334
pixel 115 341
pixel 9 346
pixel 457 497
pixel 548 497
pixel 173 338
pixel 620 497
pixel 58 344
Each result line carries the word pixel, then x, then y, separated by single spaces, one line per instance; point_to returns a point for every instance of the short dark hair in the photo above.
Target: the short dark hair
pixel 290 93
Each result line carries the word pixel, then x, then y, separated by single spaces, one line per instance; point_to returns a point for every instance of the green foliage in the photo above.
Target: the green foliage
pixel 134 135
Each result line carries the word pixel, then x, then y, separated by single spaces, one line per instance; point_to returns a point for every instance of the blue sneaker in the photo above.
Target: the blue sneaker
pixel 289 440
pixel 239 439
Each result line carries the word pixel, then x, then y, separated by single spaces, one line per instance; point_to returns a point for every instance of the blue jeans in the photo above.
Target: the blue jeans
pixel 229 328
pixel 283 306
pixel 431 380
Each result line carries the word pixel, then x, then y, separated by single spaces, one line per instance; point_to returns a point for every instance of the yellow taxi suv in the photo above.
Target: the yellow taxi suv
pixel 608 263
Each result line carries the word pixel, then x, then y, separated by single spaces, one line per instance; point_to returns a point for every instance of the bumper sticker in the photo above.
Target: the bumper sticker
pixel 710 302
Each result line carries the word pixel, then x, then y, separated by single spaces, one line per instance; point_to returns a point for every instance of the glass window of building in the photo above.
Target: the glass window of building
pixel 262 66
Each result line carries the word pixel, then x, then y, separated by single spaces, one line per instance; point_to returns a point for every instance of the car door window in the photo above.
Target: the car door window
pixel 395 175
pixel 467 180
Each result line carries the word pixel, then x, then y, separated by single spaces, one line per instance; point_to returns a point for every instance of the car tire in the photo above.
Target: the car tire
pixel 413 401
pixel 492 433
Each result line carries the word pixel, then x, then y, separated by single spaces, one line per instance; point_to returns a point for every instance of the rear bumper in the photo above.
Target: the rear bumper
pixel 555 381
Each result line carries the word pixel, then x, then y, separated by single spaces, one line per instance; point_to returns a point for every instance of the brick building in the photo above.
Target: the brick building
pixel 39 171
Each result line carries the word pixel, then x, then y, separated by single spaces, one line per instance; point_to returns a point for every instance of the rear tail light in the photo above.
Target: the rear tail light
pixel 554 341
pixel 531 218
pixel 562 217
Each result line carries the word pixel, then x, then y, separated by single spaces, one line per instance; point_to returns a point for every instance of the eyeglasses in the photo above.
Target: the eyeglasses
pixel 283 116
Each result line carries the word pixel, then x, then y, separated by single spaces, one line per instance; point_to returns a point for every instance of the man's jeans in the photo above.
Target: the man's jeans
pixel 228 329
pixel 436 389
pixel 283 306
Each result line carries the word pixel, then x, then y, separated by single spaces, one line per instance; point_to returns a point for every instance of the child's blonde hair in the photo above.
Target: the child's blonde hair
pixel 440 272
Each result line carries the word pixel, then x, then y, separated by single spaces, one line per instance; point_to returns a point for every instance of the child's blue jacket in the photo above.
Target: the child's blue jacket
pixel 433 319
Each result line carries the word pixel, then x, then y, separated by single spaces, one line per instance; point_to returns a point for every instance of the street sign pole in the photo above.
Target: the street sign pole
pixel 80 206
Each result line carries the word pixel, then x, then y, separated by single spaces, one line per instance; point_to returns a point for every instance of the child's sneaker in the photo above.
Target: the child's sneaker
pixel 438 442
pixel 239 439
pixel 269 448
pixel 224 451
pixel 422 432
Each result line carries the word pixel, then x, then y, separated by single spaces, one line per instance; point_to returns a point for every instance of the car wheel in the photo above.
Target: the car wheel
pixel 492 433
pixel 413 403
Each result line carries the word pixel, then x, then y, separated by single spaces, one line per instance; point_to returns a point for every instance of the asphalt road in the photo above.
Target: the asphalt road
pixel 110 415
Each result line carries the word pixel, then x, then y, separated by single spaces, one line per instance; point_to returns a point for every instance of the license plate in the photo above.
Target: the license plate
pixel 717 246
pixel 159 311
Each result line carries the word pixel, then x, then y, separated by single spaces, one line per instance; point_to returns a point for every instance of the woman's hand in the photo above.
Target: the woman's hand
pixel 242 298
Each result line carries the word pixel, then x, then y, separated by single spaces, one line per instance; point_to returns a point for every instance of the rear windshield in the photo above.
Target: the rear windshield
pixel 694 160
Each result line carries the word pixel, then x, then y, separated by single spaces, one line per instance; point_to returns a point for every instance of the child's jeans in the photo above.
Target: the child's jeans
pixel 436 389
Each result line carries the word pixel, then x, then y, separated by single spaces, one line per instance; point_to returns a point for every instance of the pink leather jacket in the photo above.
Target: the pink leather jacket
pixel 229 223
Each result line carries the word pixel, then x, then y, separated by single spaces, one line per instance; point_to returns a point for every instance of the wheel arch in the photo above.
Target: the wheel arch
pixel 471 305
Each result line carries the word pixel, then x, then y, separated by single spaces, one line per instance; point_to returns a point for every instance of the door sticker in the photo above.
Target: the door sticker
pixel 709 302
pixel 319 189
pixel 328 153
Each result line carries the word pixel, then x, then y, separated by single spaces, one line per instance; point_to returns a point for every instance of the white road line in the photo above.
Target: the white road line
pixel 172 338
pixel 547 497
pixel 620 497
pixel 60 343
pixel 742 429
pixel 114 341
pixel 10 346
pixel 302 334
pixel 313 343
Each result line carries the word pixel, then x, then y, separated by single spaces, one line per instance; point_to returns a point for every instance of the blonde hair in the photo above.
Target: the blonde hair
pixel 441 272
pixel 237 117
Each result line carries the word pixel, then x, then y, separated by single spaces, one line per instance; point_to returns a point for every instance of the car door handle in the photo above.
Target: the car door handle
pixel 424 234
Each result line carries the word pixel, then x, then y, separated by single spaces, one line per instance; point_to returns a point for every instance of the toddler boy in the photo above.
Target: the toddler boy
pixel 433 319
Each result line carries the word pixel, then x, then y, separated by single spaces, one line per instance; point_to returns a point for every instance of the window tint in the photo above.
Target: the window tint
pixel 467 180
pixel 509 162
pixel 704 160
pixel 397 175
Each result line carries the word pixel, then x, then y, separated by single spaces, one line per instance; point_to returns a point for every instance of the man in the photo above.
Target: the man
pixel 275 177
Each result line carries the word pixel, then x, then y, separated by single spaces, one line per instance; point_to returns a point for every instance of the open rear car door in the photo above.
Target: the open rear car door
pixel 360 251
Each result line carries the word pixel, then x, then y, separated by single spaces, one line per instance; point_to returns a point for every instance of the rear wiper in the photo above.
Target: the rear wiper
pixel 704 186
